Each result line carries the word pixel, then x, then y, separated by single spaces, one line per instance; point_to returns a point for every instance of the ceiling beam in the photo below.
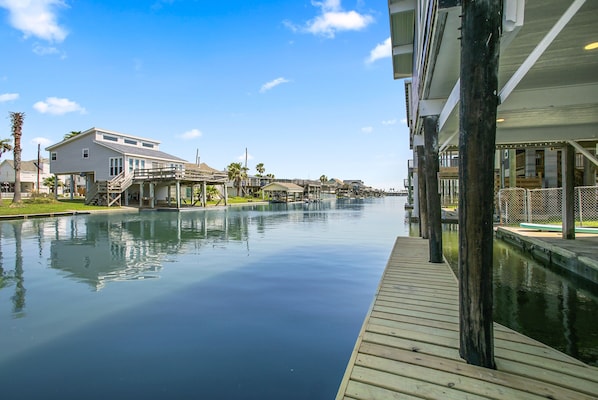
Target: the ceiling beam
pixel 531 59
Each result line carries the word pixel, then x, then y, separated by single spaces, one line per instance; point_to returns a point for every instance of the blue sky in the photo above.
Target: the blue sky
pixel 305 86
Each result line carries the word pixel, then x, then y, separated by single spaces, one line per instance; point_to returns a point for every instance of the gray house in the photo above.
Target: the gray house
pixel 120 167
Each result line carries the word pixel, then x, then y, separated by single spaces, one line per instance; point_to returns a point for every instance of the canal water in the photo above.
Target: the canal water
pixel 259 302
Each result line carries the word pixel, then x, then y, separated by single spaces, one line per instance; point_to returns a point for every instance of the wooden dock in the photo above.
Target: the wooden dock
pixel 408 347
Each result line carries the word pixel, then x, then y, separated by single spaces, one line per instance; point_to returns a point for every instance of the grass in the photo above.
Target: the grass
pixel 47 205
pixel 30 206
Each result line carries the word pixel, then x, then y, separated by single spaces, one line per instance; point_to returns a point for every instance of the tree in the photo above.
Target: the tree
pixel 271 176
pixel 50 182
pixel 236 173
pixel 17 131
pixel 260 169
pixel 323 179
pixel 5 147
pixel 71 134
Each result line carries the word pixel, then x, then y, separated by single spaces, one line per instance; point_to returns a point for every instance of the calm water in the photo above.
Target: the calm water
pixel 243 303
pixel 548 305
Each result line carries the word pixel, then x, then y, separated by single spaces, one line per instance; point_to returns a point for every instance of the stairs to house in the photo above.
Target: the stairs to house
pixel 109 193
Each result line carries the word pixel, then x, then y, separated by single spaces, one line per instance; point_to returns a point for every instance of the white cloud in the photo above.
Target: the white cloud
pixel 56 106
pixel 41 140
pixel 367 129
pixel 382 50
pixel 45 50
pixel 332 19
pixel 8 97
pixel 269 85
pixel 389 122
pixel 192 134
pixel 36 18
pixel 404 121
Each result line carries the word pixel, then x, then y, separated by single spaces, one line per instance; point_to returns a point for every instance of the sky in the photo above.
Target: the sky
pixel 305 86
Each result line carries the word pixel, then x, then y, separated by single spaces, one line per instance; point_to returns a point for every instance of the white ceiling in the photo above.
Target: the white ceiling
pixel 556 100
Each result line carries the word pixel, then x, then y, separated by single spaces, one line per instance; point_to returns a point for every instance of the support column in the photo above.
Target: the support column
pixel 141 195
pixel 225 194
pixel 422 191
pixel 480 47
pixel 512 168
pixel 152 195
pixel 433 196
pixel 568 177
pixel 204 194
pixel 72 188
pixel 178 194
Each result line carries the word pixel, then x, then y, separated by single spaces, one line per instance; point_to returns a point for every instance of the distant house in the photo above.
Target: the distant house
pixel 121 167
pixel 29 176
pixel 282 192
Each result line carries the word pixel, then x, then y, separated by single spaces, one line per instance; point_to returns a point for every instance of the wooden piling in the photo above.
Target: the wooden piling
pixel 433 195
pixel 480 47
pixel 422 193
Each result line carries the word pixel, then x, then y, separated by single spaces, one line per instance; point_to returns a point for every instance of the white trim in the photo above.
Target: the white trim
pixel 530 61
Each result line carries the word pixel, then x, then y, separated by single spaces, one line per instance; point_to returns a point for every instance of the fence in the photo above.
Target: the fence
pixel 544 206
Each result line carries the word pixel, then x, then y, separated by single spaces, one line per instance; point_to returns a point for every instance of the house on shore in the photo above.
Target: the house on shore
pixel 31 171
pixel 121 169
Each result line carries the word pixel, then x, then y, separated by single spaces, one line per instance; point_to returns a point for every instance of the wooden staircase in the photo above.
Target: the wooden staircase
pixel 109 193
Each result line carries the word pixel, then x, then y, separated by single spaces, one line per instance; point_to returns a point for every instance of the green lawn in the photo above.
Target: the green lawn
pixel 63 205
pixel 32 207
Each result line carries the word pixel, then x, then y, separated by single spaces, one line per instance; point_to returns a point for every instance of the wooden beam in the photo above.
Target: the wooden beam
pixel 568 174
pixel 433 195
pixel 422 193
pixel 480 45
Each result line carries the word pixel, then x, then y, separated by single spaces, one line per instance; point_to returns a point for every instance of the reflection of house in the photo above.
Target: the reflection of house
pixel 120 167
pixel 284 192
pixel 29 175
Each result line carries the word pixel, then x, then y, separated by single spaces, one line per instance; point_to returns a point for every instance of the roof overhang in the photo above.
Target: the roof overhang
pixel 548 86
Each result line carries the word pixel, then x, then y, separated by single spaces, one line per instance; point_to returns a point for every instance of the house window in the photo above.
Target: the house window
pixel 135 163
pixel 116 165
pixel 53 156
pixel 110 138
pixel 85 153
pixel 130 141
pixel 148 145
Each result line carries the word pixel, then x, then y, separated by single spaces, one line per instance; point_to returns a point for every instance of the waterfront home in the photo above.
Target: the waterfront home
pixel 282 192
pixel 120 168
pixel 547 88
pixel 31 181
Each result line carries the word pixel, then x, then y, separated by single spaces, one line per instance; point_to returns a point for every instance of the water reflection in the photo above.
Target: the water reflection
pixel 548 305
pixel 98 249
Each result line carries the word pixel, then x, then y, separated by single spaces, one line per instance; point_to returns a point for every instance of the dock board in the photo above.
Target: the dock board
pixel 408 347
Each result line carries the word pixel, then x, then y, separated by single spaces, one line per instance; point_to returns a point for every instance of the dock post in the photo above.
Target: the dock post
pixel 480 48
pixel 432 189
pixel 568 177
pixel 422 193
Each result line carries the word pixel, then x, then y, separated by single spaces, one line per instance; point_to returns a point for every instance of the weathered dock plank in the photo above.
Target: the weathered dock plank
pixel 408 345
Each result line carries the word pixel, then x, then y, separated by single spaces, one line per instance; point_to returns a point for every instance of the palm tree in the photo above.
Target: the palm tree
pixel 50 182
pixel 17 131
pixel 260 169
pixel 271 176
pixel 5 147
pixel 71 134
pixel 323 179
pixel 236 173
